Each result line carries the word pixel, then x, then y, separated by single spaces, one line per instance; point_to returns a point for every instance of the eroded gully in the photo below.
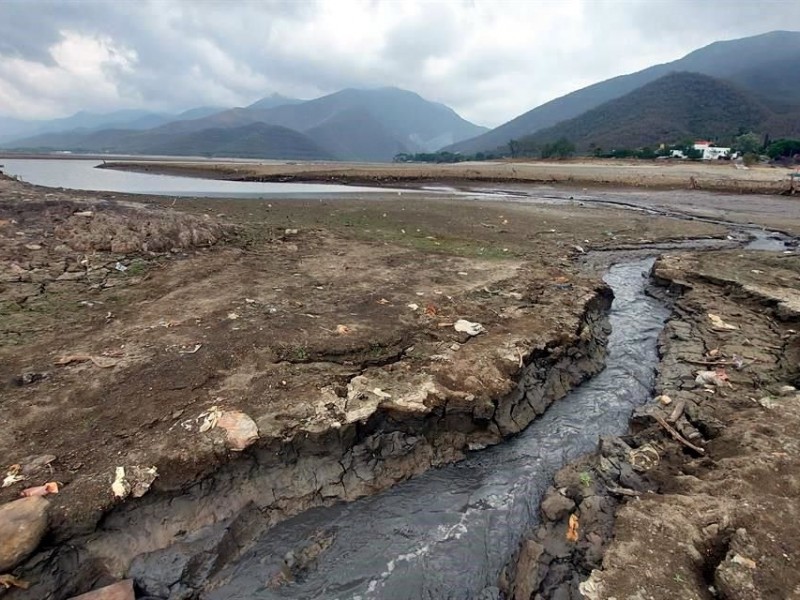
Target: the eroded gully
pixel 449 532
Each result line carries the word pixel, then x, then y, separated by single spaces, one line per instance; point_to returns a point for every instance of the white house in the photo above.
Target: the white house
pixel 711 152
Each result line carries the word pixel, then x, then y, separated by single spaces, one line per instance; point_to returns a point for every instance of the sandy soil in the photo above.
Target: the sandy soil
pixel 717 176
pixel 127 322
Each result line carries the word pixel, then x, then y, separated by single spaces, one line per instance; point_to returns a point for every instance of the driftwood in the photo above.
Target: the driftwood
pixel 676 413
pixel 677 436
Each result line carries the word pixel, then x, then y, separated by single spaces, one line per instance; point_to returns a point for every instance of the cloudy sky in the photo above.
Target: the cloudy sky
pixel 490 60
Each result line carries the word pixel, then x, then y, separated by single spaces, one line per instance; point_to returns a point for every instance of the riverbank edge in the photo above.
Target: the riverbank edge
pixel 393 176
pixel 574 552
pixel 232 505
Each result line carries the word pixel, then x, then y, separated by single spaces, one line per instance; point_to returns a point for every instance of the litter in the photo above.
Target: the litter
pixel 431 310
pixel 83 213
pixel 468 327
pixel 383 301
pixel 192 351
pixel 343 329
pixel 13 475
pixel 104 362
pixel 381 394
pixel 209 418
pixel 120 267
pixel 50 487
pixel 717 322
pixel 233 316
pixel 135 482
pixel 644 457
pixel 413 306
pixel 572 528
pixel 718 378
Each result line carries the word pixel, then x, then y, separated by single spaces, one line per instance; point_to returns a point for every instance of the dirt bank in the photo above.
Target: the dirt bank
pixel 699 501
pixel 320 336
pixel 719 176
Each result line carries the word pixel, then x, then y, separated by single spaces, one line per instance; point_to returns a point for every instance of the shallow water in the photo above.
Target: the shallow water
pixel 78 174
pixel 448 533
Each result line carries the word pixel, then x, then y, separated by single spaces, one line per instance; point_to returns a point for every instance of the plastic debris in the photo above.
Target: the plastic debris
pixel 717 322
pixel 104 362
pixel 343 329
pixel 468 327
pixel 133 482
pixel 83 213
pixel 208 419
pixel 718 378
pixel 120 267
pixel 381 394
pixel 383 301
pixel 8 581
pixel 13 475
pixel 644 457
pixel 572 528
pixel 233 316
pixel 191 350
pixel 50 487
pixel 787 390
pixel 413 306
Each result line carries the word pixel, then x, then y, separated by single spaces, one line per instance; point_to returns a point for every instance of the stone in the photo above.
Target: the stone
pixel 787 390
pixel 240 429
pixel 22 524
pixel 122 590
pixel 528 577
pixel 556 506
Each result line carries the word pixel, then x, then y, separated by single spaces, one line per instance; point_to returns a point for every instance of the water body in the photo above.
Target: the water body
pixel 448 533
pixel 79 174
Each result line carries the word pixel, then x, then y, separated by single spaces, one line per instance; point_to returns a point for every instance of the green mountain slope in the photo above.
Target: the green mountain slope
pixel 758 63
pixel 675 107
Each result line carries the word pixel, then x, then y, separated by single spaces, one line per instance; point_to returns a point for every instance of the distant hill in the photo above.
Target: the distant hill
pixel 85 122
pixel 256 140
pixel 367 125
pixel 766 64
pixel 675 107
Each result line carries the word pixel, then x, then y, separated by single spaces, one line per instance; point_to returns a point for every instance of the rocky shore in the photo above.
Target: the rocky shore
pixel 698 500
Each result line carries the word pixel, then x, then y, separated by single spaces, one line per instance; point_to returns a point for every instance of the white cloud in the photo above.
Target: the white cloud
pixel 489 59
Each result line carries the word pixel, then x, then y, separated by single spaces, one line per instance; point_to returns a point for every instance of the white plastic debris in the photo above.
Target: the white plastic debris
pixel 468 327
pixel 717 322
pixel 120 267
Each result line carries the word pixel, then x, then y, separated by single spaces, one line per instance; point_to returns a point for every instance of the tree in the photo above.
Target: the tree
pixel 513 148
pixel 561 148
pixel 748 143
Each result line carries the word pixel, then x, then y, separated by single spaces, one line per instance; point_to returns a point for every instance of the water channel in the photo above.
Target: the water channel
pixel 448 533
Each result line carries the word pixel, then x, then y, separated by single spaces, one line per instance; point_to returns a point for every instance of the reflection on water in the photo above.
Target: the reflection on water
pixel 81 175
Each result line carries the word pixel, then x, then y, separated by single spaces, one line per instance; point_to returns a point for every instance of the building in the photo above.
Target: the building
pixel 711 152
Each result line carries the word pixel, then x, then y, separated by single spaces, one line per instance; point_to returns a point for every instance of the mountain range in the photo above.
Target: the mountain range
pixel 766 67
pixel 716 92
pixel 369 125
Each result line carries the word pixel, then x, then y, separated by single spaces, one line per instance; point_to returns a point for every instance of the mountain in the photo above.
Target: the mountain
pixel 83 122
pixel 257 140
pixel 273 101
pixel 764 64
pixel 366 125
pixel 675 107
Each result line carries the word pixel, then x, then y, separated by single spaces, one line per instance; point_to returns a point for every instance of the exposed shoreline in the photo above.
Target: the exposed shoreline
pixel 715 177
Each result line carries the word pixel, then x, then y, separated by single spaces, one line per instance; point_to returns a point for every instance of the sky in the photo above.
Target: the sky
pixel 489 60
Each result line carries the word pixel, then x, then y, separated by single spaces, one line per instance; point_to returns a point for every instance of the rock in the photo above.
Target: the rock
pixel 22 524
pixel 528 578
pixel 241 430
pixel 122 590
pixel 555 506
pixel 787 390
pixel 664 400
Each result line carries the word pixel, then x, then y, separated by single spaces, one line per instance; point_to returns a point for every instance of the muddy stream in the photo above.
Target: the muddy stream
pixel 448 533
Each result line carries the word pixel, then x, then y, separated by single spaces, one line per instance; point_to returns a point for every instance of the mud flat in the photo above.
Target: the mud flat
pixel 721 176
pixel 178 364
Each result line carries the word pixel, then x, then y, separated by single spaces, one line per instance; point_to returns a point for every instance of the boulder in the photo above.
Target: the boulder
pixel 23 522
